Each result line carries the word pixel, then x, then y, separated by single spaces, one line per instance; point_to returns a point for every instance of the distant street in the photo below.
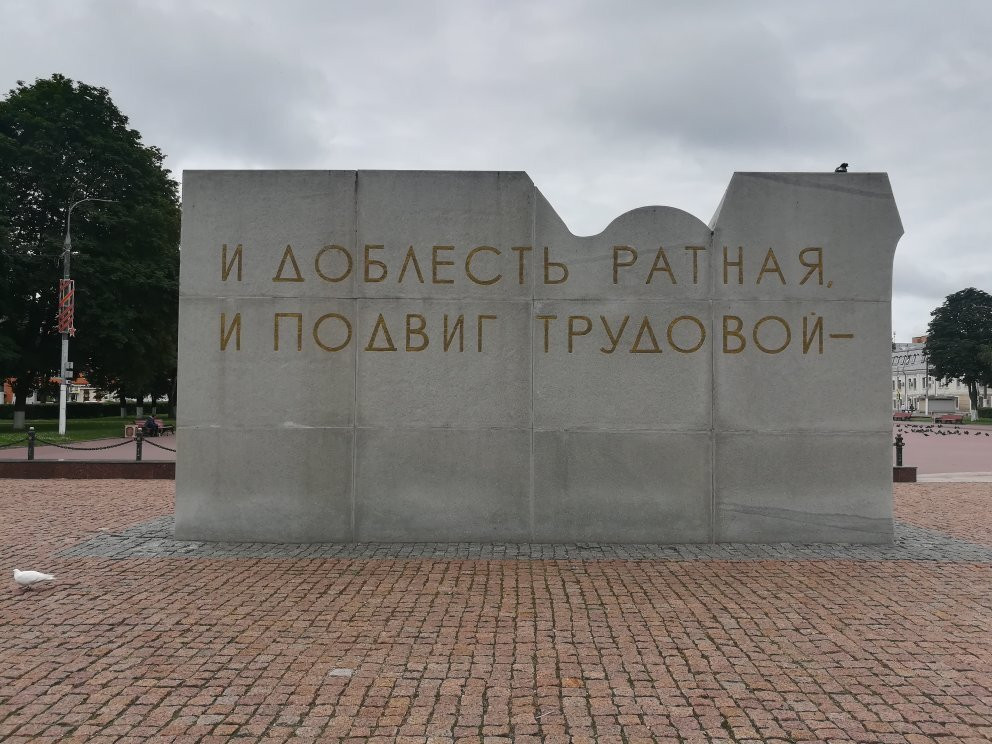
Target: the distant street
pixel 99 449
pixel 931 451
pixel 948 449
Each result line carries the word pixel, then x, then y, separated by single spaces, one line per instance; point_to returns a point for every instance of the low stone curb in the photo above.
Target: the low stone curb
pixel 123 469
pixel 153 539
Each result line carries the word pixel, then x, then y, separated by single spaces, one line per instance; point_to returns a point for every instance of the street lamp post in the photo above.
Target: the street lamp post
pixel 64 370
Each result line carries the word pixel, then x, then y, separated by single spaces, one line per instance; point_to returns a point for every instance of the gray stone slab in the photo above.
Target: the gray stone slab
pixel 459 211
pixel 444 438
pixel 811 487
pixel 852 217
pixel 264 212
pixel 638 385
pixel 264 485
pixel 770 386
pixel 622 487
pixel 299 384
pixel 444 384
pixel 417 484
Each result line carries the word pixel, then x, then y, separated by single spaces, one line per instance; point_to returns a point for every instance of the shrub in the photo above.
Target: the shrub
pixel 72 410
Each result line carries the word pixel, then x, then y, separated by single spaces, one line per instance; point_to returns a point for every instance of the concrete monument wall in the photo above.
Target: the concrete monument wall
pixel 434 356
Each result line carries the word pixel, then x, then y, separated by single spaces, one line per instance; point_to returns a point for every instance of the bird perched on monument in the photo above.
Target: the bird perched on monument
pixel 28 579
pixel 842 168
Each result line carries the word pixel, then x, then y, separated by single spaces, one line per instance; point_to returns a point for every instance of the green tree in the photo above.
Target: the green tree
pixel 958 339
pixel 62 141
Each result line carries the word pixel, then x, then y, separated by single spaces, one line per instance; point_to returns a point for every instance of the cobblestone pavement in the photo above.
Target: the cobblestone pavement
pixel 145 639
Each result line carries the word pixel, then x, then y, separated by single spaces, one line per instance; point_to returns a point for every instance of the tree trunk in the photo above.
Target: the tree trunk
pixel 139 405
pixel 973 396
pixel 21 392
pixel 122 395
pixel 172 399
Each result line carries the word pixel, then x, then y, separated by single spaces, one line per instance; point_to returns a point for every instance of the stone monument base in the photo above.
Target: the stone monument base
pixel 904 474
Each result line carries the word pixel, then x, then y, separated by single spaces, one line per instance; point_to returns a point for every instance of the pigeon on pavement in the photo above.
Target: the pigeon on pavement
pixel 27 579
pixel 842 168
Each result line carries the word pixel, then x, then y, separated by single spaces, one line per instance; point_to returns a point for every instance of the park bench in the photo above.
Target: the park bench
pixel 131 430
pixel 948 418
pixel 902 415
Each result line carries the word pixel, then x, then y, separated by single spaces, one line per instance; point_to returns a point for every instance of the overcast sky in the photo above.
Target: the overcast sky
pixel 607 105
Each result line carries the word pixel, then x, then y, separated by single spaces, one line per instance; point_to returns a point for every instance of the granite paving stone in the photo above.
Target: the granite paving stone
pixel 145 638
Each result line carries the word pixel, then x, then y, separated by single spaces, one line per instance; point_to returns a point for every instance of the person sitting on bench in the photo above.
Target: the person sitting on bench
pixel 151 427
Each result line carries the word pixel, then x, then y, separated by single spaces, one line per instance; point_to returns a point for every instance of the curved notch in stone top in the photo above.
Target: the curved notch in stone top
pixel 805 236
pixel 652 252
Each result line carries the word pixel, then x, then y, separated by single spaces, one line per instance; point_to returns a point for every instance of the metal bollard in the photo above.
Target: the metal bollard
pixel 899 444
pixel 138 435
pixel 30 442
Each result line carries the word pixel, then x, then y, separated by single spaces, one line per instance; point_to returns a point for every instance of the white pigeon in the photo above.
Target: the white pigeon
pixel 28 579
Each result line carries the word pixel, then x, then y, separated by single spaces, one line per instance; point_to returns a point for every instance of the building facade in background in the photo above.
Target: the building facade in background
pixel 80 391
pixel 914 389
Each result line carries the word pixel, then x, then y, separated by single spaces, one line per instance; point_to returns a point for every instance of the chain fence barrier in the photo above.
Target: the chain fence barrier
pixel 32 439
pixel 160 446
pixel 70 447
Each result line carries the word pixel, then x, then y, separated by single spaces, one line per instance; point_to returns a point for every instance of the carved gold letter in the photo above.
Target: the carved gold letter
pixel 548 263
pixel 660 264
pixel 418 331
pixel 316 332
pixel 380 323
pixel 328 249
pixel 572 332
pixel 735 332
pixel 788 334
pixel 369 262
pixel 468 265
pixel 632 252
pixel 739 263
pixel 645 328
pixel 816 266
pixel 287 255
pixel 226 266
pixel 699 325
pixel 299 329
pixel 235 328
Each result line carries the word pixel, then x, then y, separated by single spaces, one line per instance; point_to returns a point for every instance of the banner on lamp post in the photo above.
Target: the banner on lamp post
pixel 67 306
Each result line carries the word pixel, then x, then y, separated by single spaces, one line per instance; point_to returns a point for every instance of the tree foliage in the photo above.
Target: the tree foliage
pixel 62 141
pixel 959 340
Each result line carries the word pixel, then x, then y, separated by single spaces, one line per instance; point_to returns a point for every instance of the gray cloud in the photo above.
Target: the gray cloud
pixel 609 106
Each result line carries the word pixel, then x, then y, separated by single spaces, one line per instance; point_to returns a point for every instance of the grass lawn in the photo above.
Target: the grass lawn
pixel 77 430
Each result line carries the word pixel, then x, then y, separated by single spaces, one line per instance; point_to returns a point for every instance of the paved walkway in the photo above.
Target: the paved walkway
pixel 946 457
pixel 158 448
pixel 143 638
pixel 952 452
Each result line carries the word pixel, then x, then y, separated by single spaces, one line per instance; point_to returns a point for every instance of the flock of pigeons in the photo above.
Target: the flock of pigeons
pixel 937 430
